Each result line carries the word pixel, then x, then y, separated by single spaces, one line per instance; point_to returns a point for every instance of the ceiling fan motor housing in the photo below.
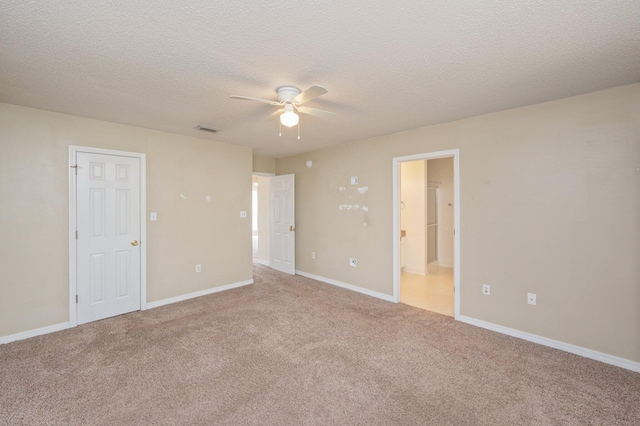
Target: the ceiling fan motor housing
pixel 287 93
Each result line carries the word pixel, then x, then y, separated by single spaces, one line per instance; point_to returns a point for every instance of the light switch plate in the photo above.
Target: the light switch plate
pixel 153 216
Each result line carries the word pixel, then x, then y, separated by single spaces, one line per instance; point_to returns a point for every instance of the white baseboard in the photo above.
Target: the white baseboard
pixel 33 333
pixel 263 262
pixel 414 271
pixel 577 350
pixel 64 325
pixel 151 305
pixel 351 287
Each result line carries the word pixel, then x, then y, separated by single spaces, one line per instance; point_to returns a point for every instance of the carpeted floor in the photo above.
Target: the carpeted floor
pixel 291 350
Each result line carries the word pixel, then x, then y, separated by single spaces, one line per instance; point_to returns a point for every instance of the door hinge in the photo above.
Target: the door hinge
pixel 76 235
pixel 76 298
pixel 75 167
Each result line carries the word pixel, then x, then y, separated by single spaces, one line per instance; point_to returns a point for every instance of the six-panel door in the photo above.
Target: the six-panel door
pixel 108 242
pixel 283 242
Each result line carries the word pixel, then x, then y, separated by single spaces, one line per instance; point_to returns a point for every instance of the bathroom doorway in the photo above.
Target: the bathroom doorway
pixel 426 255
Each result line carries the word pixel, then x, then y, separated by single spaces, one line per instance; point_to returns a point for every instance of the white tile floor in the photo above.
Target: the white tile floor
pixel 433 292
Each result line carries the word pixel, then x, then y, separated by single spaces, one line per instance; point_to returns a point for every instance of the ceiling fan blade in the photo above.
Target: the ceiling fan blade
pixel 246 98
pixel 275 115
pixel 311 93
pixel 316 112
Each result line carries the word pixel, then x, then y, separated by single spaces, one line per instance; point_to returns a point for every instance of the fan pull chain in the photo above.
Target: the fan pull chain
pixel 298 130
pixel 280 128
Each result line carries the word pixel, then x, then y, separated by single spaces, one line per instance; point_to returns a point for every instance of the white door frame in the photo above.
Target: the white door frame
pixel 73 285
pixel 269 175
pixel 455 153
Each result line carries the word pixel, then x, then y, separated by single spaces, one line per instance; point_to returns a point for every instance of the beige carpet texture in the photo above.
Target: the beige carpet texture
pixel 289 350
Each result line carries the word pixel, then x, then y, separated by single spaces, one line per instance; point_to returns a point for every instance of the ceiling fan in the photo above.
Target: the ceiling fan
pixel 291 99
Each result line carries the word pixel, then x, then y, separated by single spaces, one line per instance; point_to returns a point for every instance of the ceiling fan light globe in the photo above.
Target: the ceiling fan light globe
pixel 289 118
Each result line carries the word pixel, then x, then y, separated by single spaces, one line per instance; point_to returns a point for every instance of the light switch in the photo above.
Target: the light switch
pixel 354 180
pixel 154 216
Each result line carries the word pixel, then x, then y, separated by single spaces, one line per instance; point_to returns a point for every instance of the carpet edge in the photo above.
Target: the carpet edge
pixel 182 297
pixel 627 364
pixel 351 287
pixel 34 332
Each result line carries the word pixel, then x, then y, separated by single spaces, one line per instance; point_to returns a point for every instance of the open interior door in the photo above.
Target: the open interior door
pixel 283 224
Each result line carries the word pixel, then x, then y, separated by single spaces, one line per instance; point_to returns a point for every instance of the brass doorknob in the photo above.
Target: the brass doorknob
pixel 134 242
pixel 291 228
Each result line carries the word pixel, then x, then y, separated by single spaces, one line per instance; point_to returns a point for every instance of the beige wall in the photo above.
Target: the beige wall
pixel 264 164
pixel 34 170
pixel 441 170
pixel 264 219
pixel 550 204
pixel 412 215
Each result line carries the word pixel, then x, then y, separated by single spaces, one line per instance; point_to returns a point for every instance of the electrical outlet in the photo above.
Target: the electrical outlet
pixel 486 289
pixel 313 254
pixel 353 262
pixel 198 268
pixel 531 298
pixel 243 214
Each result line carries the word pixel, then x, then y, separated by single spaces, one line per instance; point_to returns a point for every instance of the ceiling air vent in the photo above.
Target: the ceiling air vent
pixel 208 129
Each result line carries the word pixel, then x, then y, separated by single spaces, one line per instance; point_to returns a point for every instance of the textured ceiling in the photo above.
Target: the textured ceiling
pixel 389 66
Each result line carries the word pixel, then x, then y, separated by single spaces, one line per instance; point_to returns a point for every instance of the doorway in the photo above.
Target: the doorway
pixel 426 231
pixel 282 255
pixel 273 223
pixel 261 217
pixel 107 233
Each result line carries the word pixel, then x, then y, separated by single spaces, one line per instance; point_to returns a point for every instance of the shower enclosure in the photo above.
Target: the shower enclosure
pixel 432 224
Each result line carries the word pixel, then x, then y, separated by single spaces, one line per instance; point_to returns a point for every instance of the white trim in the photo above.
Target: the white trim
pixel 73 321
pixel 455 153
pixel 65 325
pixel 264 174
pixel 545 341
pixel 188 296
pixel 415 271
pixel 351 287
pixel 73 150
pixel 263 262
pixel 33 333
